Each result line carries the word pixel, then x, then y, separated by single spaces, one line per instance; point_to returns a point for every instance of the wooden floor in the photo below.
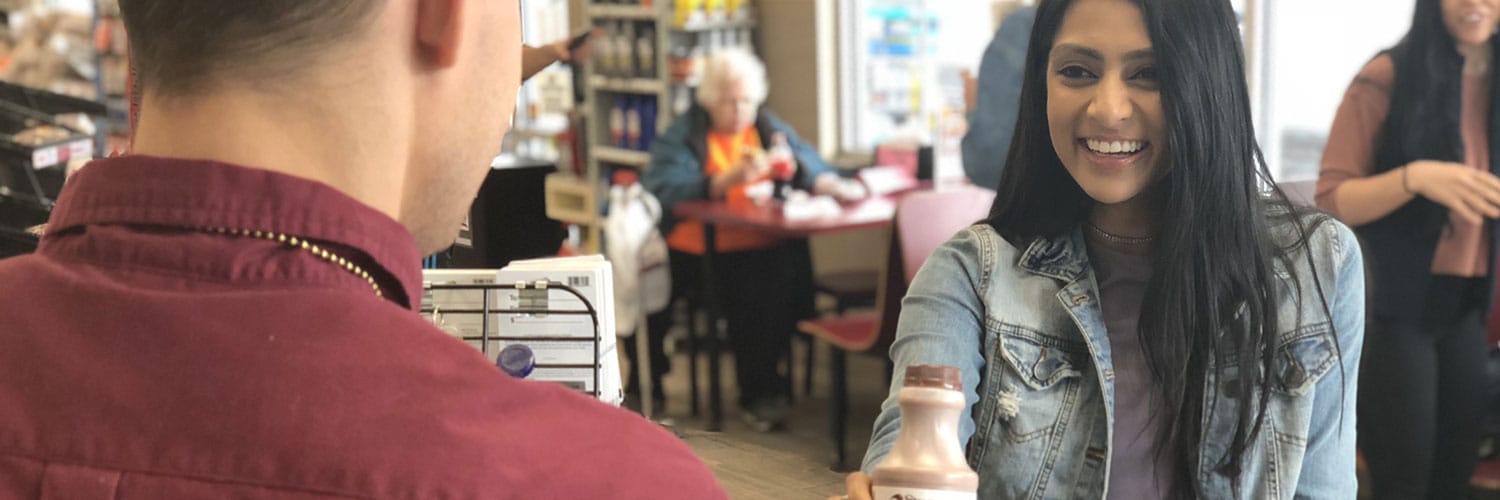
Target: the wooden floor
pixel 790 464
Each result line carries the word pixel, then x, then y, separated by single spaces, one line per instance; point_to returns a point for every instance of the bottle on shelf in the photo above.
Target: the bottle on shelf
pixel 648 122
pixel 927 463
pixel 714 10
pixel 603 48
pixel 632 124
pixel 645 54
pixel 683 10
pixel 624 52
pixel 617 122
pixel 739 10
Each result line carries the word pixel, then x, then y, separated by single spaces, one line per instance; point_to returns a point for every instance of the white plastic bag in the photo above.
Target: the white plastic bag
pixel 643 278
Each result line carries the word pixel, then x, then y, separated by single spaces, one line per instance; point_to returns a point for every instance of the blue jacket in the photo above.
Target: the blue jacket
pixel 676 170
pixel 1024 326
pixel 993 120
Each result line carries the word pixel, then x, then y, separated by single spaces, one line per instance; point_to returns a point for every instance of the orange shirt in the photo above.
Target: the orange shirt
pixel 724 152
pixel 1350 154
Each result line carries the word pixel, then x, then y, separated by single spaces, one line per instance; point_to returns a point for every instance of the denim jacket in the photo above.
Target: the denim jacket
pixel 1025 328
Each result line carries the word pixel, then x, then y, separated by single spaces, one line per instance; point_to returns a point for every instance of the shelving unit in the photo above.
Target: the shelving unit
pixel 611 154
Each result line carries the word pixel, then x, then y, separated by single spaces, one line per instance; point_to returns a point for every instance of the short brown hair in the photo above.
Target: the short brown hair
pixel 178 46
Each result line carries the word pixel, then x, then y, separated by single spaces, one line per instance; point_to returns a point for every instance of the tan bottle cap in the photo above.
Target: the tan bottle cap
pixel 935 376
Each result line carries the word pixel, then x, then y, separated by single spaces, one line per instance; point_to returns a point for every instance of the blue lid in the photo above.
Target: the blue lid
pixel 516 360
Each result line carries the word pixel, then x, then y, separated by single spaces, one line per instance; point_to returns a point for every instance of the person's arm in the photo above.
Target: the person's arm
pixel 574 50
pixel 675 174
pixel 941 324
pixel 992 121
pixel 1470 194
pixel 1328 464
pixel 536 59
pixel 1346 187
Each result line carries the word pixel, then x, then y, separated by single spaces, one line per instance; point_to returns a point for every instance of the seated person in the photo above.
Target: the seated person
pixel 232 312
pixel 764 283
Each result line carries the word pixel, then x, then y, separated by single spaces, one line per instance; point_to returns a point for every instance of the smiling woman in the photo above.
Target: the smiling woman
pixel 1139 315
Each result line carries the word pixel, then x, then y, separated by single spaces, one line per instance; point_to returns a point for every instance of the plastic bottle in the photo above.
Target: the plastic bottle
pixel 648 122
pixel 516 360
pixel 783 165
pixel 927 463
pixel 624 53
pixel 617 122
pixel 645 54
pixel 632 125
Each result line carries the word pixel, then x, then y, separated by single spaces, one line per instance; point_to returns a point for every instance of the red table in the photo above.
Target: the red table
pixel 873 212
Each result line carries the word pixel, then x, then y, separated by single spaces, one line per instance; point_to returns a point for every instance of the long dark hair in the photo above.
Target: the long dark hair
pixel 1425 110
pixel 1214 257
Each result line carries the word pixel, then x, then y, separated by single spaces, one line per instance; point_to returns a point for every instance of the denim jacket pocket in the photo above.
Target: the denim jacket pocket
pixel 1303 358
pixel 1038 382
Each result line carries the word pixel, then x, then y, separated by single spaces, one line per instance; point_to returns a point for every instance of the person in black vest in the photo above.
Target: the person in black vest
pixel 1409 164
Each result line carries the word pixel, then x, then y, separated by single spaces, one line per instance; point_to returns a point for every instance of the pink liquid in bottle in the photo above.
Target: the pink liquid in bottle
pixel 927 463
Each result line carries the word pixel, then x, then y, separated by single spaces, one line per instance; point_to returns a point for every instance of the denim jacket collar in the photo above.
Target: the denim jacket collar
pixel 1063 257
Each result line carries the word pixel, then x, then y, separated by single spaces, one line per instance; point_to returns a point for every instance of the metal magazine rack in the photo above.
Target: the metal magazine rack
pixel 534 299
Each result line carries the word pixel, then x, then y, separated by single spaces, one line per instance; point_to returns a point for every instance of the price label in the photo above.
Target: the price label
pixel 45 157
pixel 81 148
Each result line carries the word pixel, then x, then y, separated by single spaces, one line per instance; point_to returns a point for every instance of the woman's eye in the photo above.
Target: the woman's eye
pixel 1147 73
pixel 1074 72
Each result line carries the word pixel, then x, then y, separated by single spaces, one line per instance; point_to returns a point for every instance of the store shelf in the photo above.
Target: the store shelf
pixel 638 159
pixel 627 85
pixel 605 11
pixel 716 25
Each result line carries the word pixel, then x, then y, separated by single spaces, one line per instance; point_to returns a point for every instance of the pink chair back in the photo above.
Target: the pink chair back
pixel 925 220
pixel 902 156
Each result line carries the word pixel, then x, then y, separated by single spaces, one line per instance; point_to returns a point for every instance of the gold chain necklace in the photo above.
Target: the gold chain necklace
pixel 307 246
pixel 1129 241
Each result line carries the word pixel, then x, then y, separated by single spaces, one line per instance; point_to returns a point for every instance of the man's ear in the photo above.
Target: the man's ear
pixel 439 30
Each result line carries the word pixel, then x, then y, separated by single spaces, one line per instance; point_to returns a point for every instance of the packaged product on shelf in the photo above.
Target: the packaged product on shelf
pixel 648 123
pixel 683 11
pixel 739 10
pixel 617 122
pixel 41 134
pixel 645 54
pixel 603 49
pixel 624 53
pixel 714 9
pixel 51 49
pixel 632 124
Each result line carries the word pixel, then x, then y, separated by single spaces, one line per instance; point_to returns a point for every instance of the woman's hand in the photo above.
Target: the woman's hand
pixel 750 168
pixel 857 487
pixel 844 190
pixel 1471 194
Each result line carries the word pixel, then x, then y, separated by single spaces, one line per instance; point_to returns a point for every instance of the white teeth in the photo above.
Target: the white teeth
pixel 1474 18
pixel 1115 147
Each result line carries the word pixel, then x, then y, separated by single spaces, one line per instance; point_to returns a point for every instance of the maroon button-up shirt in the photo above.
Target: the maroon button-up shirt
pixel 143 358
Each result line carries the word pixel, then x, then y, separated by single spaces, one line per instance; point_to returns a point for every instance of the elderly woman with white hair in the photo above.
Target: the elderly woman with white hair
pixel 712 153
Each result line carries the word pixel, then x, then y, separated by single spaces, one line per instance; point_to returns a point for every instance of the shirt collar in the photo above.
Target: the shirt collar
pixel 197 194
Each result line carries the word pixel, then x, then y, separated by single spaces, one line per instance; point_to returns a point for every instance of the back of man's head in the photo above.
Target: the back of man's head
pixel 180 47
pixel 398 103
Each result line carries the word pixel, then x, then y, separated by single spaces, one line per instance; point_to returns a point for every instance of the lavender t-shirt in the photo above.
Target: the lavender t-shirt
pixel 1135 471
